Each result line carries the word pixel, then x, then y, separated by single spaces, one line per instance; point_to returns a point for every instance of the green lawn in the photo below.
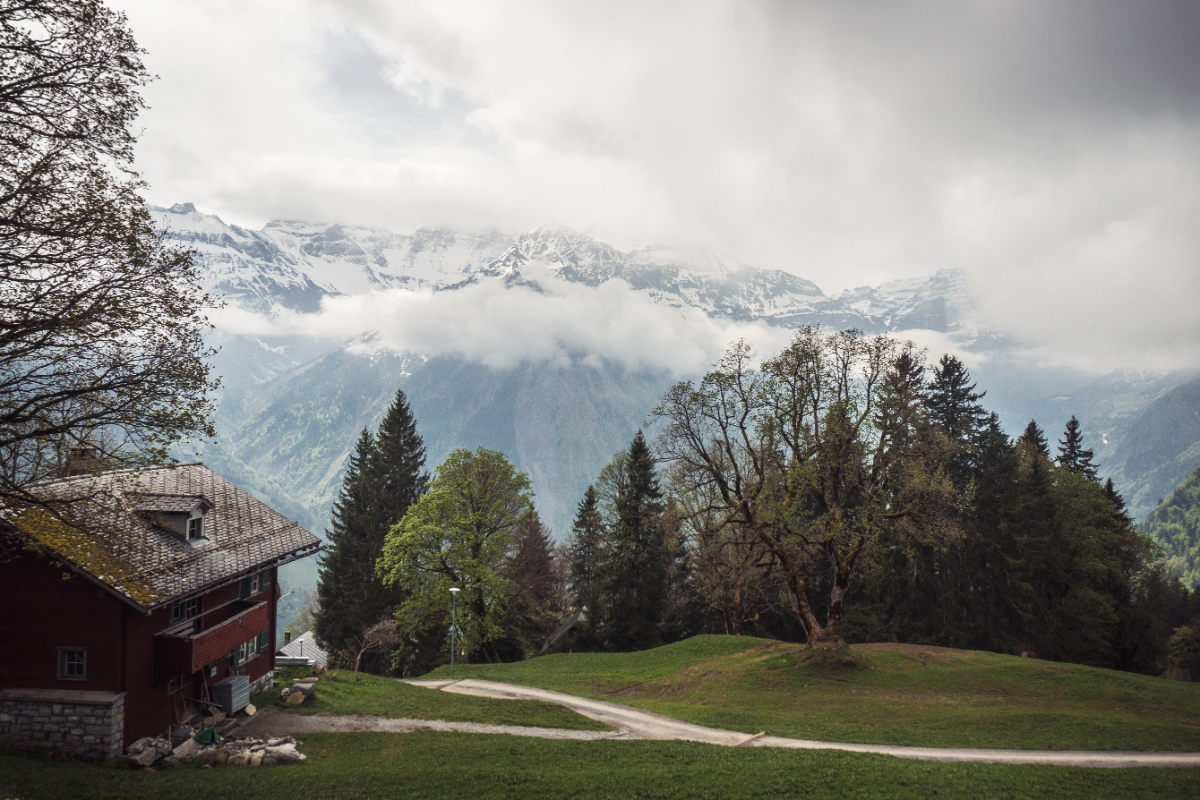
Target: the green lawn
pixel 338 693
pixel 448 765
pixel 940 698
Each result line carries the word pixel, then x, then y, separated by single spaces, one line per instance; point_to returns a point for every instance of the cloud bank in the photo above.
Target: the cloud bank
pixel 1051 148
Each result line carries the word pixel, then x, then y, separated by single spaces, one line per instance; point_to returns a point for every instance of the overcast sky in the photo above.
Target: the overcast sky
pixel 1050 149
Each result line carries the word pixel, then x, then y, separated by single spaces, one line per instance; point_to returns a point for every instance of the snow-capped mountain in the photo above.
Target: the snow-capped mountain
pixel 296 264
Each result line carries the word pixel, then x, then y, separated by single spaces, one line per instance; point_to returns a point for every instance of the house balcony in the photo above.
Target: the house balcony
pixel 184 652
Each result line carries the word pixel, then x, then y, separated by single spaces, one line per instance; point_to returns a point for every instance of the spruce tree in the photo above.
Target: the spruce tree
pixel 587 556
pixel 383 479
pixel 1035 439
pixel 637 582
pixel 954 409
pixel 952 401
pixel 344 568
pixel 1072 456
pixel 535 591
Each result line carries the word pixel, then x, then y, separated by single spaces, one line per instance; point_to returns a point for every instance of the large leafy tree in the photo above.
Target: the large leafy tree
pixel 101 322
pixel 801 454
pixel 461 533
pixel 384 477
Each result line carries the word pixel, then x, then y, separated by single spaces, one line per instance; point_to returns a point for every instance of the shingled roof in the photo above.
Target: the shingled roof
pixel 118 540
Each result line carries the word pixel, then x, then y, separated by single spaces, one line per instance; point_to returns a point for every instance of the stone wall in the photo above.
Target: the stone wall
pixel 262 684
pixel 81 724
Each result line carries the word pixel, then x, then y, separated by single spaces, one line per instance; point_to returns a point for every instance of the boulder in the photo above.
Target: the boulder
pixel 187 748
pixel 147 751
pixel 209 758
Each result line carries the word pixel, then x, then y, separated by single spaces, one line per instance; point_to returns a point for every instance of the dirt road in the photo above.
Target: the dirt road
pixel 638 724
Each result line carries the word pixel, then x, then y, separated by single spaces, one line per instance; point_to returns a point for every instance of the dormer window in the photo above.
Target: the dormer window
pixel 195 526
pixel 181 514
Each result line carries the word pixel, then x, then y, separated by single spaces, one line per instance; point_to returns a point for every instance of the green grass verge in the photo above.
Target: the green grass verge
pixel 912 696
pixel 449 765
pixel 338 693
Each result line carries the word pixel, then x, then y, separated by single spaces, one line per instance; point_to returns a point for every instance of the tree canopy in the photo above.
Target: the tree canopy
pixel 101 322
pixel 809 456
pixel 461 533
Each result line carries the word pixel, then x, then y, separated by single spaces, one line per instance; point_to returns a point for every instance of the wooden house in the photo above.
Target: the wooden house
pixel 164 584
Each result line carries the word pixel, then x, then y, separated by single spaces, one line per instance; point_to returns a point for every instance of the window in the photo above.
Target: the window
pixel 175 684
pixel 262 642
pixel 195 528
pixel 72 664
pixel 255 583
pixel 185 609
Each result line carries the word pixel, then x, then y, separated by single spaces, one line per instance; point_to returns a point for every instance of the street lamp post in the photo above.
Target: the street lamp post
pixel 453 624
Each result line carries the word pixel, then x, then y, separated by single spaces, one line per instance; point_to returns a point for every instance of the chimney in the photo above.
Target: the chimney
pixel 287 637
pixel 83 459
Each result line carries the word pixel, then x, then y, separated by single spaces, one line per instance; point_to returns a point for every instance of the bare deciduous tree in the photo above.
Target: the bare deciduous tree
pixel 805 456
pixel 101 322
pixel 379 636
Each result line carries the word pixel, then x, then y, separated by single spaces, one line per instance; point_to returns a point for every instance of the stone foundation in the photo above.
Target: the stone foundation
pixel 89 725
pixel 262 684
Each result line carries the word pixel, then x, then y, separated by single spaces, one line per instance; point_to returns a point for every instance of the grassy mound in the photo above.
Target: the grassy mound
pixel 337 693
pixel 898 694
pixel 445 765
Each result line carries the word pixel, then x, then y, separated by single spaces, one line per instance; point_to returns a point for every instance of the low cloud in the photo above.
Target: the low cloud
pixel 557 322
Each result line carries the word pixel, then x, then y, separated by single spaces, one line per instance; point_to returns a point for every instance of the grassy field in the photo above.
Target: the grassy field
pixel 913 696
pixel 339 693
pixel 448 765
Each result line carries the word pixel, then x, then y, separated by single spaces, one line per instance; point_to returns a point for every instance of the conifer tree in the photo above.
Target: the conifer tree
pixel 637 581
pixel 384 477
pixel 535 590
pixel 1072 456
pixel 954 409
pixel 1034 438
pixel 345 567
pixel 587 556
pixel 952 401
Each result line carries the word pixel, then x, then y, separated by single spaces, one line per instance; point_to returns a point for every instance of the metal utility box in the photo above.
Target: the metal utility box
pixel 232 694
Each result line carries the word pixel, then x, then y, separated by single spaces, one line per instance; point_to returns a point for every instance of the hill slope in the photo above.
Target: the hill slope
pixel 898 694
pixel 1175 524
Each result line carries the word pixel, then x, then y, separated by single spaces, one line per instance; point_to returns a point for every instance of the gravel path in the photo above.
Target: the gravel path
pixel 637 724
pixel 271 722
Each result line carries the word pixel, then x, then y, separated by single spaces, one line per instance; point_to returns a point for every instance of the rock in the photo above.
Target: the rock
pixel 251 710
pixel 187 748
pixel 208 758
pixel 255 760
pixel 238 760
pixel 147 751
pixel 309 679
pixel 281 754
pixel 285 692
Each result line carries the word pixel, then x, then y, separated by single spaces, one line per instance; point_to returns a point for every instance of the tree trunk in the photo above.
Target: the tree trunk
pixel 837 594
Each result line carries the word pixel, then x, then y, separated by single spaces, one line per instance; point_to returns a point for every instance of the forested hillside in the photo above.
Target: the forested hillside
pixel 1175 524
pixel 1158 448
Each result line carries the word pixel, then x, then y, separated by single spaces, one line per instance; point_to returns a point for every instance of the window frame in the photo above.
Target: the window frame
pixel 183 610
pixel 199 520
pixel 65 664
pixel 177 682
